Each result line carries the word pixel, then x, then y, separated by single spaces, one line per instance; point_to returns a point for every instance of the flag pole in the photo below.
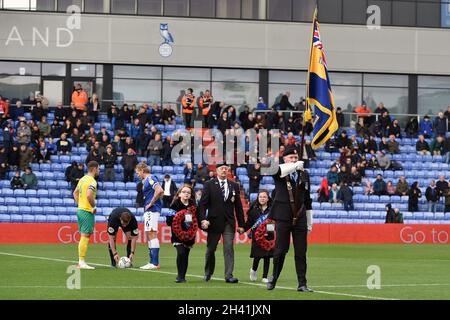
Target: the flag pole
pixel 302 141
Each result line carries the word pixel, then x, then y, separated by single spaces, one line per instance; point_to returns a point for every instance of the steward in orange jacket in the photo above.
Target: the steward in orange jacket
pixel 188 103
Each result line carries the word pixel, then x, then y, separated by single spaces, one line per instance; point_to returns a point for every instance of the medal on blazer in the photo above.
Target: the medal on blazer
pixel 232 198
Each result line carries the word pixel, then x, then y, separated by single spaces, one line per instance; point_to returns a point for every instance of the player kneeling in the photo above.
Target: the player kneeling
pixel 124 219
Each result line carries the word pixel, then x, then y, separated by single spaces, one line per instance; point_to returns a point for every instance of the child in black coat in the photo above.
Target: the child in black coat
pixel 259 208
pixel 183 200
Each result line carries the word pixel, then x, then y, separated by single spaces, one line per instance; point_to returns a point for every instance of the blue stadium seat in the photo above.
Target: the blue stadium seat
pixel 103 203
pixel 41 218
pixel 156 169
pixel 10 201
pixel 168 170
pixel 19 193
pixel 407 215
pixel 130 186
pixel 418 216
pixel 16 218
pixel 64 159
pixel 42 193
pixel 7 192
pixel 57 202
pixel 64 218
pixel 28 218
pixel 439 216
pixel 34 202
pixel 115 202
pixel 99 218
pixel 62 184
pixel 428 215
pixel 5 217
pixel 31 193
pixel 50 184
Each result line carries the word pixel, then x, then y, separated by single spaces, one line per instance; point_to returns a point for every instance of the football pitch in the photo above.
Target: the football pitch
pixel 334 272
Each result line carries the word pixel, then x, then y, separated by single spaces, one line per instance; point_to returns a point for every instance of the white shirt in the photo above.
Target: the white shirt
pixel 225 186
pixel 167 187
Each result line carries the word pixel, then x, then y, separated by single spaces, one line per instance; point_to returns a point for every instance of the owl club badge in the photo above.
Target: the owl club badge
pixel 233 197
pixel 165 49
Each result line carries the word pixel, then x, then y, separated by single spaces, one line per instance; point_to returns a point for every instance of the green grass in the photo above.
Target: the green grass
pixel 336 271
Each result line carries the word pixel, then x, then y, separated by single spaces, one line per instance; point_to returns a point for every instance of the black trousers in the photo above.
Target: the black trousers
pixel 299 232
pixel 182 260
pixel 128 175
pixel 266 265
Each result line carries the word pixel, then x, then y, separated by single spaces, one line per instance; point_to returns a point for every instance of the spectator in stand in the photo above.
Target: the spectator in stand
pixel 390 188
pixel 389 213
pixel 156 114
pixel 364 112
pixel 170 189
pixel 79 98
pixel 214 114
pixel 380 109
pixel 78 137
pixel 344 175
pixel 93 108
pixel 139 196
pixel 414 195
pixel 189 174
pixel 18 111
pixel 67 128
pixel 361 129
pixel 426 127
pixel 128 144
pixel 23 133
pixel 135 129
pixel 365 146
pixel 44 127
pixel 402 188
pixel 447 114
pixel 384 160
pixel 422 146
pixel 395 129
pixel 35 136
pixel 29 179
pixel 440 124
pixel 201 174
pixel 3 162
pixel 447 149
pixel 8 134
pixel 385 122
pixel 129 163
pixel 142 141
pixel 68 169
pixel 168 145
pixel 383 145
pixel 224 123
pixel 379 186
pixel 75 175
pixel 55 129
pixel 109 159
pixel 42 154
pixel 446 195
pixel 355 176
pixel 334 193
pixel 323 192
pixel 63 146
pixel 332 175
pixel 26 156
pixel 438 146
pixel 261 105
pixel 343 141
pixel 155 151
pixel 254 174
pixel 125 114
pixel 393 145
pixel 51 146
pixel 16 181
pixel 340 117
pixel 14 157
pixel 168 115
pixel 188 104
pixel 442 184
pixel 345 195
pixel 117 145
pixel 432 194
pixel 60 112
pixel 37 112
pixel 94 155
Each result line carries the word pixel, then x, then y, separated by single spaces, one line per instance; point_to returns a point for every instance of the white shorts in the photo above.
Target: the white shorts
pixel 151 220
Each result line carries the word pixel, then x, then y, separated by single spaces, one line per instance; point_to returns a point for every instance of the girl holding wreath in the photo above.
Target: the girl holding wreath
pixel 184 225
pixel 262 244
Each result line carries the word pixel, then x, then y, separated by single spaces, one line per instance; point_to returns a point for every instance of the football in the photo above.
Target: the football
pixel 124 262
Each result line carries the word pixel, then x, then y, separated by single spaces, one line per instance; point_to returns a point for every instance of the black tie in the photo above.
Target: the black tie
pixel 222 186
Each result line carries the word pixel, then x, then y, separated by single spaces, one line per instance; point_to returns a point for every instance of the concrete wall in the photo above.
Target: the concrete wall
pixel 223 43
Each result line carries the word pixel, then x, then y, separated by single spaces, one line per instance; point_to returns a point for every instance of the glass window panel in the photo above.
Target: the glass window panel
pixel 253 9
pixel 431 101
pixel 83 70
pixel 236 75
pixel 99 88
pixel 16 4
pixel 340 78
pixel 403 13
pixel 170 73
pixel 45 5
pixel 137 72
pixel 347 97
pixel 178 8
pixel 298 91
pixel 64 4
pixel 228 9
pixel 330 11
pixel 433 82
pixel 95 6
pixel 123 6
pixel 385 10
pixel 150 7
pixel 173 91
pixel 394 99
pixel 280 10
pixel 54 69
pixel 287 76
pixel 385 80
pixel 129 90
pixel 236 93
pixel 99 70
pixel 202 8
pixel 354 11
pixel 20 68
pixel 428 13
pixel 303 10
pixel 18 87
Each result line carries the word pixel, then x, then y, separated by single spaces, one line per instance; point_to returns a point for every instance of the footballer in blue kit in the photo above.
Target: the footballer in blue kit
pixel 153 192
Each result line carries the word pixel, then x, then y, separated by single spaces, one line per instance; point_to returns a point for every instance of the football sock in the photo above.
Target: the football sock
pixel 150 254
pixel 113 262
pixel 82 247
pixel 128 248
pixel 155 251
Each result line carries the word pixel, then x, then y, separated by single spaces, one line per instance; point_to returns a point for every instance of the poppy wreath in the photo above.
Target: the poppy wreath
pixel 261 239
pixel 189 234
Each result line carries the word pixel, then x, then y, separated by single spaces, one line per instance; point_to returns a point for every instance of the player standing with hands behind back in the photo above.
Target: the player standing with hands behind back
pixel 152 191
pixel 84 195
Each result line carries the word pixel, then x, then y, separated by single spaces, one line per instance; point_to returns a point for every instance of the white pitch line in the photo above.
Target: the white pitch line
pixel 197 276
pixel 124 287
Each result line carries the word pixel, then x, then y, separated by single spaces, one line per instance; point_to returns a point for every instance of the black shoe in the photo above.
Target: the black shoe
pixel 304 289
pixel 180 280
pixel 207 277
pixel 271 285
pixel 231 280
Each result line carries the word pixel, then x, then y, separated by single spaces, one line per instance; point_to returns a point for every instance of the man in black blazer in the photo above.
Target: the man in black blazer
pixel 291 175
pixel 221 198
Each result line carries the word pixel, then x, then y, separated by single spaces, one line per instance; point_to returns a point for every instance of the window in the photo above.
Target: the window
pixel 394 99
pixel 236 93
pixel 195 74
pixel 137 72
pixel 297 91
pixel 173 91
pixel 19 87
pixel 83 70
pixel 385 10
pixel 340 78
pixel 123 6
pixel 129 90
pixel 202 8
pixel 433 82
pixel 64 4
pixel 99 70
pixel 385 80
pixel 228 8
pixel 428 13
pixel 280 10
pixel 16 4
pixel 330 11
pixel 354 11
pixel 431 101
pixel 150 7
pixel 54 69
pixel 287 76
pixel 20 68
pixel 303 10
pixel 253 9
pixel 178 8
pixel 237 75
pixel 95 6
pixel 45 5
pixel 403 13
